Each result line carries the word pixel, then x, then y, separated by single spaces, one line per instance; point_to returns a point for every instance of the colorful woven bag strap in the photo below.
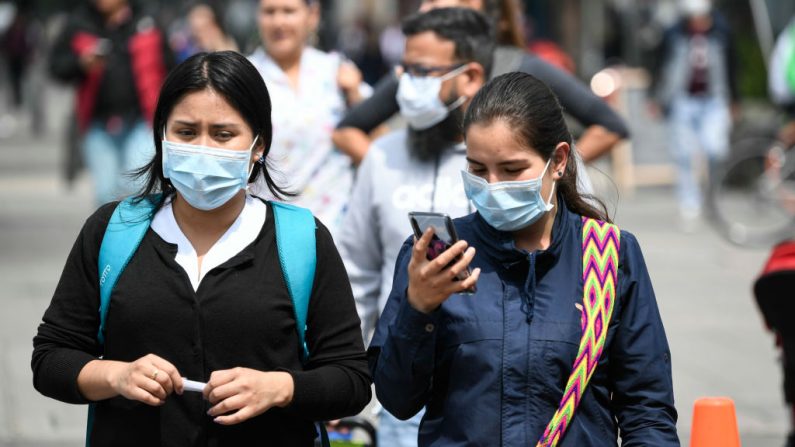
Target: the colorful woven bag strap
pixel 600 243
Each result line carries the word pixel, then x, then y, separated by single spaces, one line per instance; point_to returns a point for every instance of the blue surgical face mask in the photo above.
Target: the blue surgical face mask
pixel 206 177
pixel 508 206
pixel 418 98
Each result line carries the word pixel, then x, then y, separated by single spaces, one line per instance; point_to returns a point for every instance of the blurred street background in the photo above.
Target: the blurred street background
pixel 720 346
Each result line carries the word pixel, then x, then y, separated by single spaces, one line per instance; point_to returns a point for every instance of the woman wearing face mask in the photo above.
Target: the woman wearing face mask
pixel 562 343
pixel 204 296
pixel 311 90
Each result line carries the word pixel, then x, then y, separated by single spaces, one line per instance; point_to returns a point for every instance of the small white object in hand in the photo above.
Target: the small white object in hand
pixel 192 385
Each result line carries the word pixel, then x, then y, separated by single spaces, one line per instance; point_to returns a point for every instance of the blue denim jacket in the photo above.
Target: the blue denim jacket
pixel 491 367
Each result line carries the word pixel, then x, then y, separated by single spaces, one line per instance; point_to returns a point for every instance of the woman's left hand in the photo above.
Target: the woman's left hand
pixel 349 78
pixel 242 393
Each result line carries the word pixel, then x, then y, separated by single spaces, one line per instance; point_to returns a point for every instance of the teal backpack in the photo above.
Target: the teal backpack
pixel 295 242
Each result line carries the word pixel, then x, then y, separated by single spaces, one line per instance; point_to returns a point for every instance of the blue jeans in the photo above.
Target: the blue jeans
pixel 111 156
pixel 392 432
pixel 697 125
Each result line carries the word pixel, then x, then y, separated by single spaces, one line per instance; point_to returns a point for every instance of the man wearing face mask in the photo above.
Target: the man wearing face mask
pixel 447 59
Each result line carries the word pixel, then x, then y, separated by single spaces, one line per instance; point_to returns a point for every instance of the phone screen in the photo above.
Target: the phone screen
pixel 444 235
pixel 443 231
pixel 442 239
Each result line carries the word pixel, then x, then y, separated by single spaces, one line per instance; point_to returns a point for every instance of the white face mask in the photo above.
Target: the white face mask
pixel 418 98
pixel 206 177
pixel 509 206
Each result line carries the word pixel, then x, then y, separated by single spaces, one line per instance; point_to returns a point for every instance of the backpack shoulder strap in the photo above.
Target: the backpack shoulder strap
pixel 125 230
pixel 295 241
pixel 600 245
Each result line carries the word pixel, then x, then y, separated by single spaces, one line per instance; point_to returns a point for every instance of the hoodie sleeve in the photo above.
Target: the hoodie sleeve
pixel 360 246
pixel 375 110
pixel 402 353
pixel 640 360
pixel 67 336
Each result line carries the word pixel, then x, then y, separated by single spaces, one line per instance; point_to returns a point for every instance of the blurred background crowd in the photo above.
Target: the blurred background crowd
pixel 581 37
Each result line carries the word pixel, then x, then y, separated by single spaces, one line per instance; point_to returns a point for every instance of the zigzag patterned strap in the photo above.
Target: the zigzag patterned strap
pixel 600 243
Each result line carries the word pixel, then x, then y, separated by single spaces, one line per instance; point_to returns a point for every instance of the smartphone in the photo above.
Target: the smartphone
pixel 444 236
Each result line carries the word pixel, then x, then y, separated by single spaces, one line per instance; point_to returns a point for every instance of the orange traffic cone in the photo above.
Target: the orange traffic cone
pixel 714 423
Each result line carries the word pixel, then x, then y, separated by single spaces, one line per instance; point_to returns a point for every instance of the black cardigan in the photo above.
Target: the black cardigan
pixel 241 315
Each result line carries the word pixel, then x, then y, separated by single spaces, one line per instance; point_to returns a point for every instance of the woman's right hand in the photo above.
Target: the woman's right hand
pixel 430 283
pixel 150 379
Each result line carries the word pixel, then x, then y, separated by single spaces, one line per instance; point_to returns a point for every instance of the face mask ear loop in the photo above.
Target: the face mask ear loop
pixel 454 73
pixel 461 99
pixel 552 192
pixel 251 169
pixel 456 104
pixel 253 143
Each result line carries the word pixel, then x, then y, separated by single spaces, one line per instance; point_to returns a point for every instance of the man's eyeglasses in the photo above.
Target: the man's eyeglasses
pixel 421 71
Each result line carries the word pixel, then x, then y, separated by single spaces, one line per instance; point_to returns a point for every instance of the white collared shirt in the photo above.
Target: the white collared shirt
pixel 243 231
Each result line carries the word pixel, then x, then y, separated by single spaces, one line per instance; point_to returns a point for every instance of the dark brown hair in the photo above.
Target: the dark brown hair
pixel 506 16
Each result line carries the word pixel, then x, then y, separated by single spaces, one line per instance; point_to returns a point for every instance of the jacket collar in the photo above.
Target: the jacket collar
pixel 501 248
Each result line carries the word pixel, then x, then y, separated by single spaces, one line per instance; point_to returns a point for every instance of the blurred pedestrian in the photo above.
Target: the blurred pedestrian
pixel 201 31
pixel 501 365
pixel 18 46
pixel 207 29
pixel 603 127
pixel 119 59
pixel 204 295
pixel 360 42
pixel 311 90
pixel 696 88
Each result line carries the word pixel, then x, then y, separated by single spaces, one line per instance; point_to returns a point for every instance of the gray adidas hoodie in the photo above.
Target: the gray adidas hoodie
pixel 389 184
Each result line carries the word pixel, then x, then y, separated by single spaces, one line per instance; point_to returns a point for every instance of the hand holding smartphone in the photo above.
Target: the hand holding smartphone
pixel 444 236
